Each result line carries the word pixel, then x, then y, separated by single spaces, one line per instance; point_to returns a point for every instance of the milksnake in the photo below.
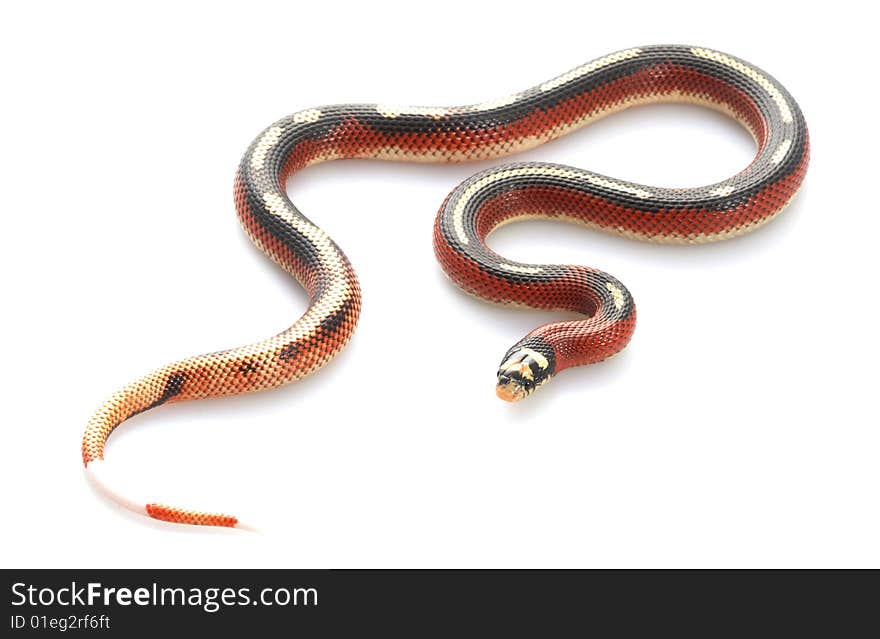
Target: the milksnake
pixel 474 209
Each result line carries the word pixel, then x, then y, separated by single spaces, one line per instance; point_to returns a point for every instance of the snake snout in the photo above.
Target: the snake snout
pixel 509 389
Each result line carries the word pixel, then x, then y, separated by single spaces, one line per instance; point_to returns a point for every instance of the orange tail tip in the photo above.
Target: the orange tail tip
pixel 101 477
pixel 192 517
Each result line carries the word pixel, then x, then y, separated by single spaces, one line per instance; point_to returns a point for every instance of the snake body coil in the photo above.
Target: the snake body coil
pixel 476 207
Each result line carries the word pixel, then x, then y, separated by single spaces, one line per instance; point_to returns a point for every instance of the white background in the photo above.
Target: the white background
pixel 738 429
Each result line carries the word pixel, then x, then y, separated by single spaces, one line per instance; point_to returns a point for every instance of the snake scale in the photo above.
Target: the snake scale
pixel 469 214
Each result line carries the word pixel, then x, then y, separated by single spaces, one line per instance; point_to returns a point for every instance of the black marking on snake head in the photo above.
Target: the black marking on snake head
pixel 539 345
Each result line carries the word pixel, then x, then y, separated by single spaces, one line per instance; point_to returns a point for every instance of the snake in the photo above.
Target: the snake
pixel 606 313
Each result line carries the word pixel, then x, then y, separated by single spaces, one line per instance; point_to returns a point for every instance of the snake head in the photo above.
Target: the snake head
pixel 521 372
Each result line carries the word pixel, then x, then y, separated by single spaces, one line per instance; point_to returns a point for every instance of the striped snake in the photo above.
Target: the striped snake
pixel 474 209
